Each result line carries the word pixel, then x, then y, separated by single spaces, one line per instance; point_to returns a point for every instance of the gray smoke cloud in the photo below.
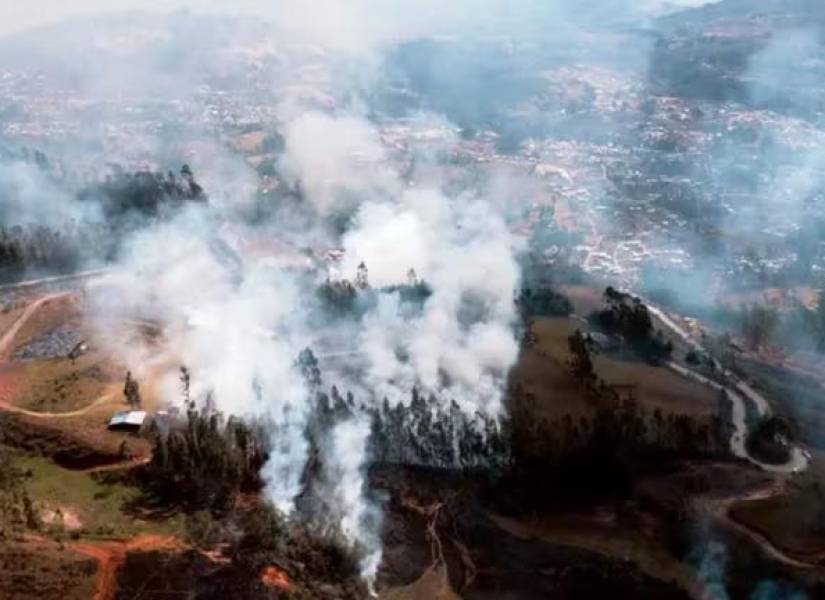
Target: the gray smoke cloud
pixel 239 328
pixel 236 296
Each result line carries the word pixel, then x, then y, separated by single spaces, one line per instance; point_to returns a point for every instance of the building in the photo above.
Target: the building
pixel 127 420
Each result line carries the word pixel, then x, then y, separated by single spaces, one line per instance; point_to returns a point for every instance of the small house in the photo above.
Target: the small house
pixel 127 420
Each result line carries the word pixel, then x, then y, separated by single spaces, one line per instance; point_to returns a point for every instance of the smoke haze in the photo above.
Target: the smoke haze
pixel 364 106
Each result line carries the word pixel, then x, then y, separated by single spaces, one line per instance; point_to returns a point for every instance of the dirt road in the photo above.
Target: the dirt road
pixel 7 346
pixel 7 341
pixel 719 508
pixel 31 283
pixel 738 392
pixel 110 555
pixel 5 405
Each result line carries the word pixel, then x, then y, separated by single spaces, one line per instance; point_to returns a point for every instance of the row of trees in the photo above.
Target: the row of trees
pixel 618 437
pixel 543 302
pixel 17 511
pixel 206 462
pixel 143 194
pixel 342 298
pixel 426 432
pixel 620 429
pixel 798 326
pixel 127 200
pixel 640 429
pixel 40 248
pixel 432 433
pixel 628 317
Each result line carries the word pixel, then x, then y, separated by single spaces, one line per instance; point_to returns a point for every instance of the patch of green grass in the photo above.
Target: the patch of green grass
pixel 101 506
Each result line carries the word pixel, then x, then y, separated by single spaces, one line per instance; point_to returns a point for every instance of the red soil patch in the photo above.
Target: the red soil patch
pixel 9 386
pixel 275 577
pixel 111 555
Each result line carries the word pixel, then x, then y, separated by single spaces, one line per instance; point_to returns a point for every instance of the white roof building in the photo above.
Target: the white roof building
pixel 127 419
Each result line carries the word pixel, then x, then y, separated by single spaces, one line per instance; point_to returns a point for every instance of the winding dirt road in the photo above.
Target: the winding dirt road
pixel 7 341
pixel 7 346
pixel 720 509
pixel 8 407
pixel 738 392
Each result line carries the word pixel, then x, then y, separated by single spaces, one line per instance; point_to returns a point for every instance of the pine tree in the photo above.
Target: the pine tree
pixel 131 390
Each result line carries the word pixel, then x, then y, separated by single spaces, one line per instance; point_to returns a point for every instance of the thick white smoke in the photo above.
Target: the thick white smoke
pixel 238 320
pixel 239 325
pixel 344 480
pixel 464 251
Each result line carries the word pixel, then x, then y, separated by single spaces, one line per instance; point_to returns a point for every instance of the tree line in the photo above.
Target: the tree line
pixel 627 316
pixel 127 200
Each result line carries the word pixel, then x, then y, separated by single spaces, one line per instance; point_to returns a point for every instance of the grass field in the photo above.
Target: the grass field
pixel 605 538
pixel 58 385
pixel 542 371
pixel 795 521
pixel 90 506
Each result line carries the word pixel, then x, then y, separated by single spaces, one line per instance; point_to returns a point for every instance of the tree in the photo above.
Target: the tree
pixel 580 363
pixel 186 380
pixel 758 324
pixel 308 365
pixel 131 390
pixel 819 321
pixel 628 316
pixel 362 277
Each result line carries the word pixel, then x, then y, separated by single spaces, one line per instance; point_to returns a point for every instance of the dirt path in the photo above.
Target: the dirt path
pixel 111 555
pixel 127 464
pixel 7 341
pixel 6 347
pixel 719 508
pixel 738 391
pixel 55 279
pixel 5 405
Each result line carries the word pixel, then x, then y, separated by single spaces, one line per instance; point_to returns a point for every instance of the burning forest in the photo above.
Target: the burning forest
pixel 357 300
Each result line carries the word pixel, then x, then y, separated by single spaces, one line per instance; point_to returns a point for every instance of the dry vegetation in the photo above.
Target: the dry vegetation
pixel 60 385
pixel 45 570
pixel 64 311
pixel 543 371
pixel 793 521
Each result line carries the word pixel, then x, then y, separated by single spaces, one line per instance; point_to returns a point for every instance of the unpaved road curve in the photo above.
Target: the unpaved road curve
pixel 720 509
pixel 737 391
pixel 6 406
pixel 7 345
pixel 7 341
pixel 798 461
pixel 21 285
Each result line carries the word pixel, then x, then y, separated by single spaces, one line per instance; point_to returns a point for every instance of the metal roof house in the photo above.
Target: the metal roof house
pixel 127 420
